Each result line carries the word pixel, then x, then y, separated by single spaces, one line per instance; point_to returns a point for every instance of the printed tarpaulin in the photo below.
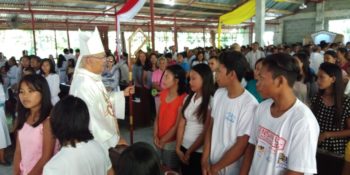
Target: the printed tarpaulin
pixel 237 16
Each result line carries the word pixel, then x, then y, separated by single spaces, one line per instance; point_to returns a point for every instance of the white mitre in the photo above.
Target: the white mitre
pixel 89 46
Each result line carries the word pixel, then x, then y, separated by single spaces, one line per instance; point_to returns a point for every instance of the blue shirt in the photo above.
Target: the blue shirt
pixel 185 66
pixel 251 87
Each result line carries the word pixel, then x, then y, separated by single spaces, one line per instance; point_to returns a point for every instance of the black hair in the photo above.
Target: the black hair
pixel 250 74
pixel 282 64
pixel 207 91
pixel 70 121
pixel 77 50
pixel 60 60
pixel 180 74
pixel 168 55
pixel 139 158
pixel 200 52
pixel 34 57
pixel 65 51
pixel 304 58
pixel 52 66
pixel 234 61
pixel 150 55
pixel 331 53
pixel 72 62
pixel 344 51
pixel 147 65
pixel 1 80
pixel 213 57
pixel 111 55
pixel 24 57
pixel 29 69
pixel 333 70
pixel 37 83
pixel 70 50
pixel 13 59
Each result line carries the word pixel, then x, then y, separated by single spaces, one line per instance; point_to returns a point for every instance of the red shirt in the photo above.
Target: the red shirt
pixel 168 113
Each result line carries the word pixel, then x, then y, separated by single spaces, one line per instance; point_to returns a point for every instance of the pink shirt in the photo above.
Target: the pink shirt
pixel 31 144
pixel 156 76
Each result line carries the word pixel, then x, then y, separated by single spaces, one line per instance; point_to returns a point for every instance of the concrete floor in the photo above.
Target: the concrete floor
pixel 140 135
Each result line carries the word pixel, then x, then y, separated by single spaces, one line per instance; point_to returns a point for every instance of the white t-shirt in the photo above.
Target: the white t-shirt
pixel 316 59
pixel 193 127
pixel 54 84
pixel 12 74
pixel 286 142
pixel 232 118
pixel 252 57
pixel 86 158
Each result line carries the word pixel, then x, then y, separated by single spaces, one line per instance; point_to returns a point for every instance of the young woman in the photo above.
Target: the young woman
pixel 194 120
pixel 142 77
pixel 5 140
pixel 154 62
pixel 305 88
pixel 199 59
pixel 24 63
pixel 12 73
pixel 332 109
pixel 344 63
pixel 330 56
pixel 166 122
pixel 35 142
pixel 48 71
pixel 157 77
pixel 80 154
pixel 62 68
pixel 111 75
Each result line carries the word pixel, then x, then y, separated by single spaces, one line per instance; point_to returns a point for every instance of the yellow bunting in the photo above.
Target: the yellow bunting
pixel 237 16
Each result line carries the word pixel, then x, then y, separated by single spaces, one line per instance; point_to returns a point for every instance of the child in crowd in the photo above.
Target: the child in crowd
pixel 139 159
pixel 35 142
pixel 284 134
pixel 166 122
pixel 232 115
pixel 332 109
pixel 195 120
pixel 52 78
pixel 80 154
pixel 5 140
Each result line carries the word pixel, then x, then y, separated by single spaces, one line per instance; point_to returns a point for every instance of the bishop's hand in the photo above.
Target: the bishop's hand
pixel 129 90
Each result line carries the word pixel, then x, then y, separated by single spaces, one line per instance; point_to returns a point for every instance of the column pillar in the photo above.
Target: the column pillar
pixel 320 13
pixel 260 21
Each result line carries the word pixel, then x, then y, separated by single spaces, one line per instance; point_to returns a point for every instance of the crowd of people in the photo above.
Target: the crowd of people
pixel 238 110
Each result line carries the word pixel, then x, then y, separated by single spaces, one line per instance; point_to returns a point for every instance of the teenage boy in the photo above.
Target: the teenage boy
pixel 232 115
pixel 284 132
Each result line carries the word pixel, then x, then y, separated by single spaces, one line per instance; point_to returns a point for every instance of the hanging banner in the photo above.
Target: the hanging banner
pixel 127 12
pixel 237 16
pixel 130 9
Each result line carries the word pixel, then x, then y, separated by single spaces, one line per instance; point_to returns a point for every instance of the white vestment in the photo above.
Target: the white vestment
pixel 103 125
